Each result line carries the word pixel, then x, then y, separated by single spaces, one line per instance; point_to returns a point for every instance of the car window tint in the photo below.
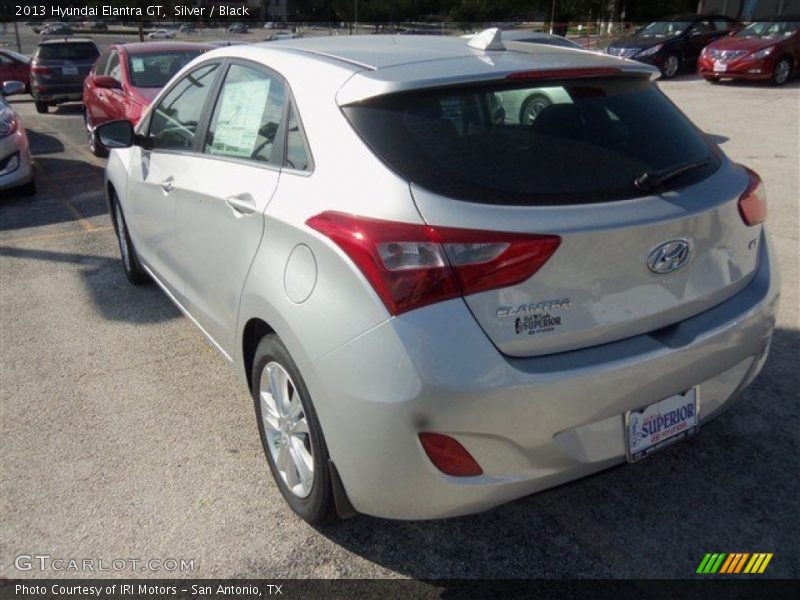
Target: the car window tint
pixel 722 25
pixel 174 121
pixel 102 62
pixel 114 69
pixel 701 27
pixel 297 155
pixel 532 144
pixel 68 51
pixel 155 70
pixel 247 115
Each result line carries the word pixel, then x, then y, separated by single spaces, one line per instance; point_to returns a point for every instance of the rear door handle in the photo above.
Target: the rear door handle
pixel 243 204
pixel 167 185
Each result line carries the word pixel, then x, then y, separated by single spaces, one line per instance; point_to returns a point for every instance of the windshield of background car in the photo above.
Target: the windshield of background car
pixel 155 70
pixel 68 51
pixel 773 29
pixel 664 29
pixel 17 56
pixel 566 142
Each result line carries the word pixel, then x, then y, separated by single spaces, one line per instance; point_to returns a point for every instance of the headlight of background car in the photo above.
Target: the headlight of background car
pixel 8 123
pixel 764 53
pixel 650 51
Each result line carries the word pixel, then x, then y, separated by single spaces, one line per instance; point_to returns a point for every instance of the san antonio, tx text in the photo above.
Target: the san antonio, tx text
pixel 152 10
pixel 145 589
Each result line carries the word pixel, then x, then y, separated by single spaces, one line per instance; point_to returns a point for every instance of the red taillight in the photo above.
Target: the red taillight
pixel 411 266
pixel 576 73
pixel 40 70
pixel 753 202
pixel 449 456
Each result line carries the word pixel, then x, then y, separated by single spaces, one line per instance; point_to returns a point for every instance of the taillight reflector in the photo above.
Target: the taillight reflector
pixel 411 265
pixel 449 456
pixel 753 202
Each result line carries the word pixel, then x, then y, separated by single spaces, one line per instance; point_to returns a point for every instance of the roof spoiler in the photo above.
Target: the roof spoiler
pixel 488 39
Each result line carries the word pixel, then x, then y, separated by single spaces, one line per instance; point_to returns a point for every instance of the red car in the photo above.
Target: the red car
pixel 15 67
pixel 126 78
pixel 764 50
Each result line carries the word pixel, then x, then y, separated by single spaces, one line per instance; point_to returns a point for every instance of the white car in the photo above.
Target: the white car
pixel 16 166
pixel 436 311
pixel 161 34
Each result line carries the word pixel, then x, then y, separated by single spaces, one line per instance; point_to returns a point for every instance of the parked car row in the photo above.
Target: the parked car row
pixel 718 46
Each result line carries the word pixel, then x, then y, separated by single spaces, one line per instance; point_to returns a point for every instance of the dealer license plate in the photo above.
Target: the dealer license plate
pixel 69 70
pixel 661 424
pixel 720 67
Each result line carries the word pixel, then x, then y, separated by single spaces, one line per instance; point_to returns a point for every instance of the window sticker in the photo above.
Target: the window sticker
pixel 138 65
pixel 240 117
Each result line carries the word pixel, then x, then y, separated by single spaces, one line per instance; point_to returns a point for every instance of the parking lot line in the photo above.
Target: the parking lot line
pixel 53 236
pixel 58 194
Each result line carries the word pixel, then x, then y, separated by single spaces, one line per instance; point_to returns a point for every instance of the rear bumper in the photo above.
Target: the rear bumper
pixel 57 93
pixel 530 423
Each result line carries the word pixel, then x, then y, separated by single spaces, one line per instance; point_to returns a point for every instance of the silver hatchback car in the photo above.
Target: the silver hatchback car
pixel 439 307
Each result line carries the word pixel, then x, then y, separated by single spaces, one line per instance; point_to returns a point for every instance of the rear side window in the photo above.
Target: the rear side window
pixel 114 69
pixel 173 124
pixel 297 153
pixel 68 51
pixel 558 143
pixel 247 115
pixel 155 70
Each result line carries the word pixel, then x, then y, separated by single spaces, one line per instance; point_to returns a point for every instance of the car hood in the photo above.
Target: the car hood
pixel 741 43
pixel 640 43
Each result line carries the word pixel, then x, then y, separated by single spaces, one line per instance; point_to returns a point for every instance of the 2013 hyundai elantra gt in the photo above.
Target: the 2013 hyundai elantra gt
pixel 439 308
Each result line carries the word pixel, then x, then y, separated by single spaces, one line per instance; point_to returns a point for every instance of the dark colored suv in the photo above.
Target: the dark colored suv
pixel 673 43
pixel 58 69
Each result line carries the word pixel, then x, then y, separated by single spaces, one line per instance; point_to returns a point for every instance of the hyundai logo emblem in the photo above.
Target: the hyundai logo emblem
pixel 669 257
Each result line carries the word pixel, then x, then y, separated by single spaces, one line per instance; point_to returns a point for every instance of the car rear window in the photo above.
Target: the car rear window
pixel 68 51
pixel 552 143
pixel 155 70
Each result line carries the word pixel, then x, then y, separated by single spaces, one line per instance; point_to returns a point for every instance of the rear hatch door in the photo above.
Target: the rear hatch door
pixel 633 258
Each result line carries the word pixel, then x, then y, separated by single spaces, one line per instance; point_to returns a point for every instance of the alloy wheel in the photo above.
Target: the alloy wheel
pixel 782 71
pixel 671 66
pixel 286 429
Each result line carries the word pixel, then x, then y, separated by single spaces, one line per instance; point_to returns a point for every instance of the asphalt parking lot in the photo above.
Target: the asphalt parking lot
pixel 124 435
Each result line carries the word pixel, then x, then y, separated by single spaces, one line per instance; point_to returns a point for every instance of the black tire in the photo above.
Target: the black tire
pixel 783 71
pixel 318 506
pixel 93 147
pixel 534 101
pixel 42 107
pixel 130 260
pixel 667 70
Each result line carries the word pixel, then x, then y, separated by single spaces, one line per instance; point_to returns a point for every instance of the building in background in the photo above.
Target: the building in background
pixel 749 10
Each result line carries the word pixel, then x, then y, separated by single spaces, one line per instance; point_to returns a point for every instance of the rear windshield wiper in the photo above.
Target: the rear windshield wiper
pixel 651 181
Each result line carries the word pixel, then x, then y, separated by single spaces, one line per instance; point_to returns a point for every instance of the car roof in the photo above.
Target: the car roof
pixel 152 47
pixel 69 40
pixel 383 64
pixel 384 51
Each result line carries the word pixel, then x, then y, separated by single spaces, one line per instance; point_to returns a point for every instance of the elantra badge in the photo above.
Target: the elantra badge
pixel 669 257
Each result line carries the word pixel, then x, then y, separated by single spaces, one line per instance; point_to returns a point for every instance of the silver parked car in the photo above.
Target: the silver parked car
pixel 438 311
pixel 16 164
